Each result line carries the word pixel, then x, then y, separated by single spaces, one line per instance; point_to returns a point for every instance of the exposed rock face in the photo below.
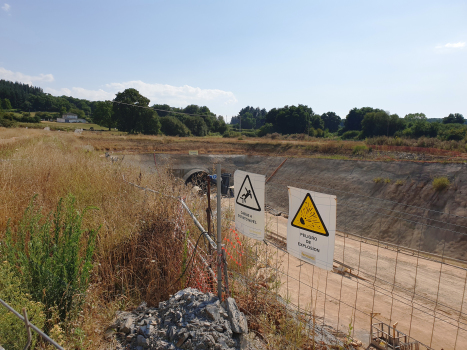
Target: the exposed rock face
pixel 189 320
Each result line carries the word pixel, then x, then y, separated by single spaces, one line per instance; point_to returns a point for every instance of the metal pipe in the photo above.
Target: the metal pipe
pixel 219 234
pixel 28 329
pixel 34 328
pixel 201 228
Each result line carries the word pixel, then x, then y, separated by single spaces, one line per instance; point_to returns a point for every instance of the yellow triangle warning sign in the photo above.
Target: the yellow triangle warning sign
pixel 308 217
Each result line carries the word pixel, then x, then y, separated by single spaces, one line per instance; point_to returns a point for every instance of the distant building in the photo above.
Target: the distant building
pixel 70 118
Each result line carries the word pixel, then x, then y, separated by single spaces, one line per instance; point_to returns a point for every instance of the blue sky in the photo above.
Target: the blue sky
pixel 401 56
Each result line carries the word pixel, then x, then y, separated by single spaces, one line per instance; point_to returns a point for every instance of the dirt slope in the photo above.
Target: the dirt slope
pixel 386 211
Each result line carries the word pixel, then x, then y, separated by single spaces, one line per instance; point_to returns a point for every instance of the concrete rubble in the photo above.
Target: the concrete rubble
pixel 189 320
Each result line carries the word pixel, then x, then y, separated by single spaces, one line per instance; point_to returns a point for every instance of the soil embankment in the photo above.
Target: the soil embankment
pixel 388 201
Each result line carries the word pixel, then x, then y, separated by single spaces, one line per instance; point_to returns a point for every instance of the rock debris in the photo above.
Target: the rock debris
pixel 189 320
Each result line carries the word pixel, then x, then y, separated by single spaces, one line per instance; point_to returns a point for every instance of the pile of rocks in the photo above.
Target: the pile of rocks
pixel 189 320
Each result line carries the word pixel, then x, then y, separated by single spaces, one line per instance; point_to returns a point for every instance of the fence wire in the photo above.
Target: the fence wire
pixel 399 275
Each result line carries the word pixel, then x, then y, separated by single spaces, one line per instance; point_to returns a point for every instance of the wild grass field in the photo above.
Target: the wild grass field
pixel 77 243
pixel 56 191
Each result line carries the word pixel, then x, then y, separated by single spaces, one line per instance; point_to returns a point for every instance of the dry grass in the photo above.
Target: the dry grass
pixel 135 256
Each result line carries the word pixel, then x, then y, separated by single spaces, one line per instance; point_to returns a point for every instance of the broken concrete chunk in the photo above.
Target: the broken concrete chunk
pixel 237 319
pixel 127 325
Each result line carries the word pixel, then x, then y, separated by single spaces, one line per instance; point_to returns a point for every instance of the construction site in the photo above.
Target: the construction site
pixel 399 275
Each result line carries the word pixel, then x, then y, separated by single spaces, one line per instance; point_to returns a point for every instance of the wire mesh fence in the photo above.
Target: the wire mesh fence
pixel 395 265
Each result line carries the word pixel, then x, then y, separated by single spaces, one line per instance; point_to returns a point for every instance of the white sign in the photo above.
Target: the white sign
pixel 249 204
pixel 311 229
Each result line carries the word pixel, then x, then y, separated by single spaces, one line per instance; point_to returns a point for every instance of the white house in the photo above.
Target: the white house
pixel 70 118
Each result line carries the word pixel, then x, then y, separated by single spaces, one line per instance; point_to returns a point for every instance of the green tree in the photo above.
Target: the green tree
pixel 196 125
pixel 162 110
pixel 174 127
pixel 316 122
pixel 219 125
pixel 131 114
pixel 415 117
pixel 78 112
pixel 62 111
pixel 6 104
pixel 454 118
pixel 290 120
pixel 103 114
pixel 331 121
pixel 381 123
pixel 354 119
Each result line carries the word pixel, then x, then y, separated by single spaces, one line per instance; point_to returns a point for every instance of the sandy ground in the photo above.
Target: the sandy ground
pixel 401 287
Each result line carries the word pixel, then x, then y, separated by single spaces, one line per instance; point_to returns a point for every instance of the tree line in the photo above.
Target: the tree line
pixel 130 112
pixel 28 98
pixel 359 123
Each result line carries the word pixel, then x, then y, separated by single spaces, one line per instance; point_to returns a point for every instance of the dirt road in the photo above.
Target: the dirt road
pixel 402 288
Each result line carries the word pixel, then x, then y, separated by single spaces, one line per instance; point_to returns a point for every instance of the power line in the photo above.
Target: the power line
pixel 164 110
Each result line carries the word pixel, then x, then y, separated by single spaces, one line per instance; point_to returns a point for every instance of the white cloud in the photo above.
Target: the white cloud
pixel 458 45
pixel 6 7
pixel 176 95
pixel 92 95
pixel 23 78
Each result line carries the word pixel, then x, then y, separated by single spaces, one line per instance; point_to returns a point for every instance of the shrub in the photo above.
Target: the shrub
pixel 6 123
pixel 53 256
pixel 351 134
pixel 377 180
pixel 440 183
pixel 359 149
pixel 387 180
pixel 265 129
pixel 13 334
pixel 400 182
pixel 231 134
pixel 249 133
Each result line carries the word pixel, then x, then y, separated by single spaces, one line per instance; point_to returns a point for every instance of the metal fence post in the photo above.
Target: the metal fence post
pixel 219 234
pixel 28 329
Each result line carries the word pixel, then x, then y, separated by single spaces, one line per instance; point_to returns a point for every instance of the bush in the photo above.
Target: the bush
pixel 440 183
pixel 359 149
pixel 231 134
pixel 53 256
pixel 249 133
pixel 13 334
pixel 351 134
pixel 265 129
pixel 6 123
pixel 377 180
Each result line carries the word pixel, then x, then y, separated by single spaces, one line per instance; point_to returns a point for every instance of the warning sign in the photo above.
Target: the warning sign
pixel 246 196
pixel 311 229
pixel 308 217
pixel 249 204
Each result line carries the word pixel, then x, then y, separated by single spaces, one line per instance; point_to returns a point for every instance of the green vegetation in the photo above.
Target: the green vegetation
pixel 377 180
pixel 13 292
pixel 440 183
pixel 193 120
pixel 52 256
pixel 360 149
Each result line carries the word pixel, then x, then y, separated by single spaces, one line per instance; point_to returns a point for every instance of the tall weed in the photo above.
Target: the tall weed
pixel 53 255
